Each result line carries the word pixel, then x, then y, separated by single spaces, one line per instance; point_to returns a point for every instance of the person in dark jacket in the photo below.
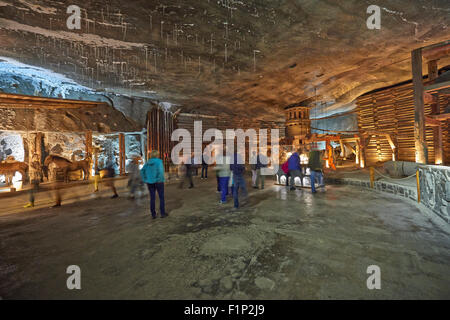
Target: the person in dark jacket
pixel 238 169
pixel 153 175
pixel 204 167
pixel 190 167
pixel 295 169
pixel 316 166
pixel 260 164
pixel 111 173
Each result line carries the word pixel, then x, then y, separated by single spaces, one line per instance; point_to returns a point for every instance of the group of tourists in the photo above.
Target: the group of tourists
pixel 292 168
pixel 230 175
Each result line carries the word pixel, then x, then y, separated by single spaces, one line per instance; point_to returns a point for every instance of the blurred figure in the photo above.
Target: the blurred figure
pixel 253 161
pixel 35 173
pixel 285 169
pixel 315 165
pixel 261 161
pixel 205 160
pixel 134 181
pixel 223 173
pixel 238 169
pixel 153 175
pixel 57 194
pixel 189 165
pixel 111 173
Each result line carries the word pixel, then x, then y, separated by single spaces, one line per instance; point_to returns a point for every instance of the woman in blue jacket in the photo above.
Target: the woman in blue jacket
pixel 153 175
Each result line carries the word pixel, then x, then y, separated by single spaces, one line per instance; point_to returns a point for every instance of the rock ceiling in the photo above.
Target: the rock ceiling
pixel 245 57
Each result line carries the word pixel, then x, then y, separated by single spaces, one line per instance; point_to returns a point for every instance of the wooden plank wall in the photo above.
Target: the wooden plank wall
pixel 392 111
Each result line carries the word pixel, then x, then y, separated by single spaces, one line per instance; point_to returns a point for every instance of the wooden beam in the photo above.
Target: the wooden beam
pixel 16 101
pixel 393 147
pixel 440 117
pixel 436 87
pixel 431 122
pixel 437 51
pixel 358 152
pixel 419 113
pixel 350 147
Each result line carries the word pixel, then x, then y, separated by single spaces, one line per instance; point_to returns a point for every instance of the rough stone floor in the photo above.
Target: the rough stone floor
pixel 280 245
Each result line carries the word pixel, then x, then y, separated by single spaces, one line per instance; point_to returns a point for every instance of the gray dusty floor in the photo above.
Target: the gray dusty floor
pixel 280 245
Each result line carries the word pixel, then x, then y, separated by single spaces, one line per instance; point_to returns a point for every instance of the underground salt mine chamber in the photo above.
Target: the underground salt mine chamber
pixel 224 151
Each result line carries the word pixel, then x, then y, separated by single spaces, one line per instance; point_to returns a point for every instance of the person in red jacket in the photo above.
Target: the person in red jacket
pixel 285 168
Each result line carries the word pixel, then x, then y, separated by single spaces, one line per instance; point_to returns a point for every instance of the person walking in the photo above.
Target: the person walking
pixel 260 164
pixel 238 169
pixel 190 167
pixel 110 174
pixel 35 172
pixel 315 165
pixel 204 166
pixel 134 181
pixel 253 162
pixel 188 172
pixel 153 175
pixel 285 169
pixel 295 169
pixel 223 173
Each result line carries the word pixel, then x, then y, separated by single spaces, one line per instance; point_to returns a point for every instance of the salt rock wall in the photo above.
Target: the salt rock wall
pixel 132 146
pixel 108 151
pixel 66 145
pixel 11 144
pixel 435 189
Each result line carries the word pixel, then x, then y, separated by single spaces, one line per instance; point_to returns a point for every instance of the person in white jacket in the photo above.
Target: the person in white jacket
pixel 223 172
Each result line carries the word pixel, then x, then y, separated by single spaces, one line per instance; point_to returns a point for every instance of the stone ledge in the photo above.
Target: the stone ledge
pixel 410 193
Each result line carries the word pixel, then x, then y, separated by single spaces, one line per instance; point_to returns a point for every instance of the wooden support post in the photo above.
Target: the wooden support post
pixel 88 143
pixel 364 143
pixel 372 177
pixel 358 152
pixel 149 134
pixel 432 70
pixel 418 185
pixel 122 153
pixel 435 110
pixel 393 147
pixel 97 173
pixel 419 114
pixel 88 151
pixel 143 148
